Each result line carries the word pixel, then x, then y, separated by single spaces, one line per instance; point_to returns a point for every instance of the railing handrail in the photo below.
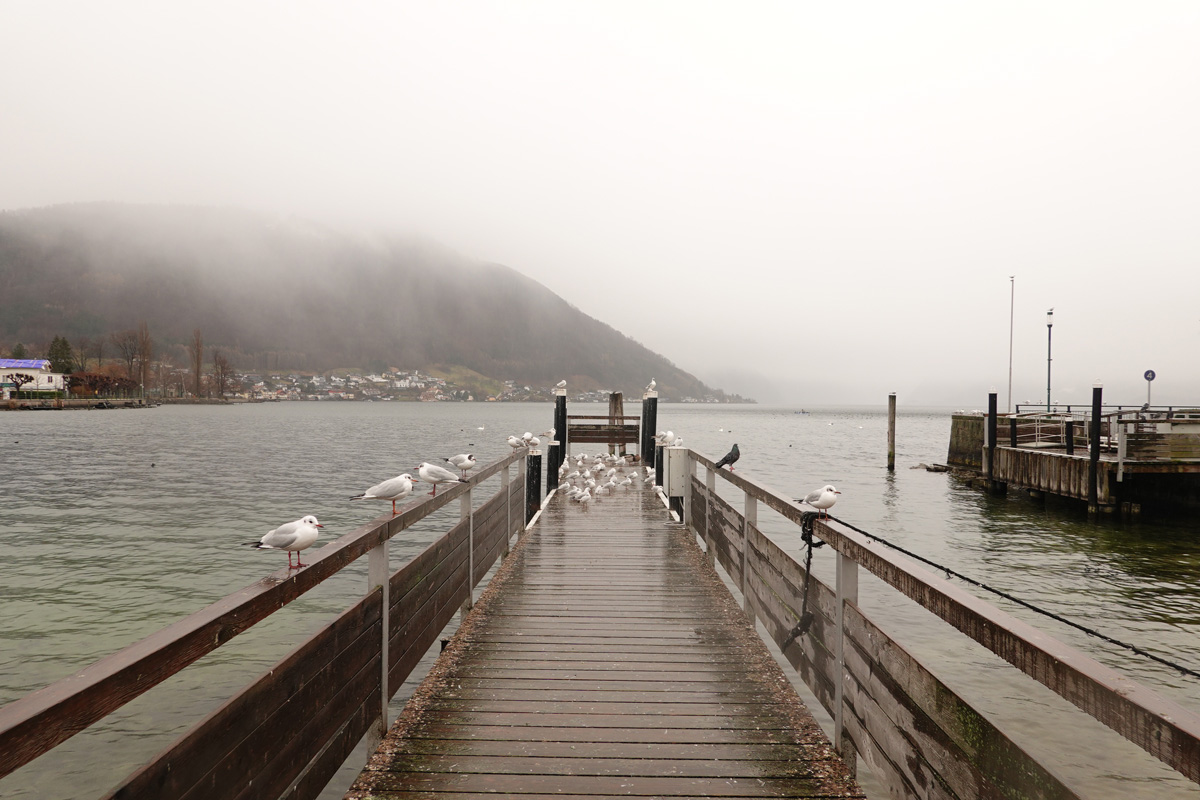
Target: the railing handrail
pixel 1158 725
pixel 43 719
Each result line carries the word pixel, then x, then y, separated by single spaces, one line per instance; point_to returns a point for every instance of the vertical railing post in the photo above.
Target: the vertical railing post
pixel 750 518
pixel 847 592
pixel 689 475
pixel 710 485
pixel 533 484
pixel 506 487
pixel 616 410
pixel 1070 436
pixel 1012 431
pixel 649 423
pixel 465 512
pixel 995 486
pixel 377 575
pixel 658 465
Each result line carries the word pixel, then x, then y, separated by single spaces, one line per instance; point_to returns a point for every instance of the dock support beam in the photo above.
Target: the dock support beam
pixel 553 461
pixel 750 518
pixel 710 483
pixel 892 432
pixel 616 410
pixel 1069 435
pixel 649 425
pixel 658 464
pixel 1094 451
pixel 505 483
pixel 533 484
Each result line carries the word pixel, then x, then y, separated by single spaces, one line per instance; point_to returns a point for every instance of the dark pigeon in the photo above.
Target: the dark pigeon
pixel 730 457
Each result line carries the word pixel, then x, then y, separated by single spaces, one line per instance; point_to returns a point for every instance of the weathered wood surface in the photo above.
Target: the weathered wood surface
pixel 602 433
pixel 1158 725
pixel 606 660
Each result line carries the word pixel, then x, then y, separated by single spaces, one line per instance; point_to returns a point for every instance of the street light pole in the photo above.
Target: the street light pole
pixel 1012 280
pixel 1049 329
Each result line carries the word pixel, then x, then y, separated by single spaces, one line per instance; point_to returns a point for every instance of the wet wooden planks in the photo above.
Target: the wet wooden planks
pixel 606 660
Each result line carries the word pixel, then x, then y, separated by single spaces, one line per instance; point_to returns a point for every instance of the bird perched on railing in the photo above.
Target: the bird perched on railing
pixel 432 473
pixel 393 489
pixel 515 441
pixel 823 498
pixel 729 458
pixel 463 462
pixel 291 536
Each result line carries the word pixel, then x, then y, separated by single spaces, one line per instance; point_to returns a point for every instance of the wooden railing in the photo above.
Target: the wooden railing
pixel 295 725
pixel 914 732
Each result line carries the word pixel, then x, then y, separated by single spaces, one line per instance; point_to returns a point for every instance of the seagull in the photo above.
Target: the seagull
pixel 823 498
pixel 393 489
pixel 463 462
pixel 432 473
pixel 730 457
pixel 515 441
pixel 533 441
pixel 549 433
pixel 291 536
pixel 650 386
pixel 561 385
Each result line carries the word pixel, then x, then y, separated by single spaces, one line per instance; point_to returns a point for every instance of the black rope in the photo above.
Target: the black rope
pixel 806 616
pixel 1026 604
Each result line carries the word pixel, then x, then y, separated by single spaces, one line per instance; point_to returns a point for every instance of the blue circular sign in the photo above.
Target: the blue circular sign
pixel 1149 374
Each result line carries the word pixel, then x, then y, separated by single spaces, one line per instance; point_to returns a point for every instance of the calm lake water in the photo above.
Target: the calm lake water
pixel 118 523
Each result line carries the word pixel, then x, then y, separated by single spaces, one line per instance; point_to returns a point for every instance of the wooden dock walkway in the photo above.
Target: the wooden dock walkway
pixel 606 659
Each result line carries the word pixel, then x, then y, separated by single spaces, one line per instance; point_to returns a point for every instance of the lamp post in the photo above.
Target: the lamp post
pixel 1012 300
pixel 1049 330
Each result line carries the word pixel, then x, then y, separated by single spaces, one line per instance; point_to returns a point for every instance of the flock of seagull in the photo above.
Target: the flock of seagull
pixel 583 478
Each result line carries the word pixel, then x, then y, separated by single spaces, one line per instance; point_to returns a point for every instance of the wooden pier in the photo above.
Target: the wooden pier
pixel 606 659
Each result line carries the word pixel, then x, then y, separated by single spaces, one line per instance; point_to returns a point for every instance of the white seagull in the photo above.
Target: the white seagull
pixel 650 386
pixel 463 462
pixel 432 473
pixel 515 441
pixel 393 489
pixel 291 536
pixel 823 498
pixel 561 385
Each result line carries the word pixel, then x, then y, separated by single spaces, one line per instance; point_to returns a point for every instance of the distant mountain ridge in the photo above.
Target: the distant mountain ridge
pixel 286 294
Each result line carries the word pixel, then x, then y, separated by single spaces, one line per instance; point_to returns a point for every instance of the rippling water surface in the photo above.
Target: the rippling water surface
pixel 117 523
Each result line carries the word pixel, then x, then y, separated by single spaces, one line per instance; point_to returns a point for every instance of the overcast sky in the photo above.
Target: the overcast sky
pixel 805 202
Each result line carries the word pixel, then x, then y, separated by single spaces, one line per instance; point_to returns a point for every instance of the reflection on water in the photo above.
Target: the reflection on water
pixel 117 523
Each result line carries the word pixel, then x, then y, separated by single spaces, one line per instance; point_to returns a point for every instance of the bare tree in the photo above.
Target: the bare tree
pixel 222 373
pixel 19 379
pixel 196 351
pixel 127 345
pixel 145 352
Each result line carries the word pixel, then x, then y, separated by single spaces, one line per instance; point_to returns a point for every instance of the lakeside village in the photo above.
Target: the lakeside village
pixel 33 383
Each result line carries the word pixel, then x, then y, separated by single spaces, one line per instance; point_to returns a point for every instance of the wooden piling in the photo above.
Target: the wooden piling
pixel 1070 437
pixel 616 412
pixel 1094 451
pixel 1012 431
pixel 533 484
pixel 560 426
pixel 554 460
pixel 649 426
pixel 891 432
pixel 994 485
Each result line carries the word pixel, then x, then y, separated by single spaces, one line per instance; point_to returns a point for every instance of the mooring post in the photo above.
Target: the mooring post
pixel 749 518
pixel 553 460
pixel 1069 435
pixel 847 592
pixel 689 476
pixel 377 575
pixel 649 425
pixel 533 484
pixel 467 514
pixel 1094 451
pixel 1012 431
pixel 994 486
pixel 616 410
pixel 658 465
pixel 892 432
pixel 560 426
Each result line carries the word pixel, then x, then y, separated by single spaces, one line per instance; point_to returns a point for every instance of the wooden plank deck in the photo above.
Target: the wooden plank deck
pixel 605 659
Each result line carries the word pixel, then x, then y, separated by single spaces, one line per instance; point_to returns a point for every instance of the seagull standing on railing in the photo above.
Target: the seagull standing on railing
pixel 392 489
pixel 823 499
pixel 515 441
pixel 291 536
pixel 729 458
pixel 432 473
pixel 463 462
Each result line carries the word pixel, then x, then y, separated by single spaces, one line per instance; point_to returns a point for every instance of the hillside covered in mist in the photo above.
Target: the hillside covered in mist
pixel 285 294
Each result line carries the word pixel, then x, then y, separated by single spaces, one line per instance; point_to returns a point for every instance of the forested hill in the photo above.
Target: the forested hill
pixel 287 294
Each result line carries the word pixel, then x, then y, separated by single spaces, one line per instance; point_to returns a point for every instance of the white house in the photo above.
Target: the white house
pixel 38 368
